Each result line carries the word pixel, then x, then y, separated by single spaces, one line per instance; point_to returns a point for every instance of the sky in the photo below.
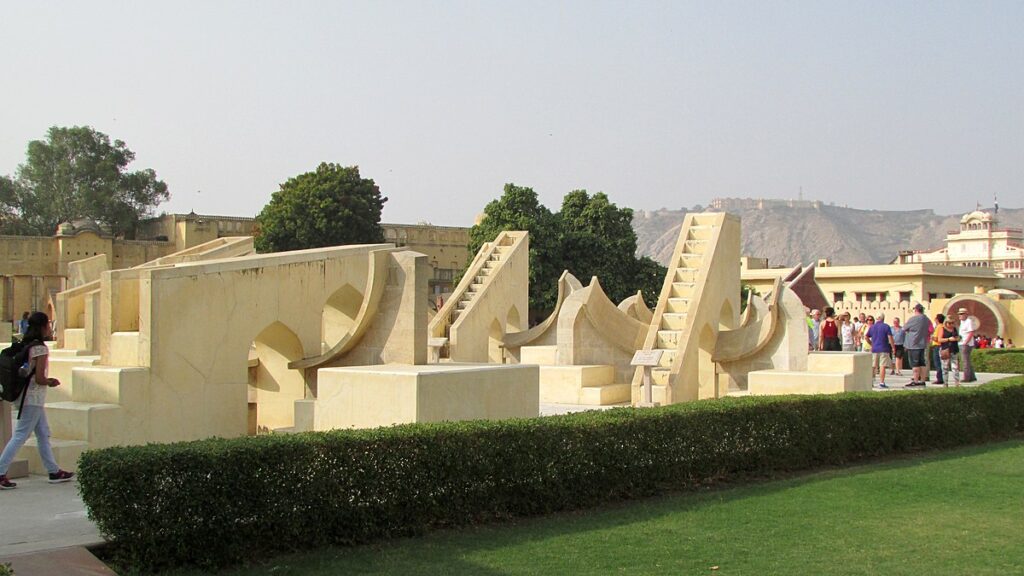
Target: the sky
pixel 879 105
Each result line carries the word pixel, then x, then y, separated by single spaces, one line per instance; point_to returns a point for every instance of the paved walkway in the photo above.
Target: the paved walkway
pixel 39 516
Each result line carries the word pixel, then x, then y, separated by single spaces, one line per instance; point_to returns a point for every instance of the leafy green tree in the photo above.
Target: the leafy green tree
pixel 330 206
pixel 590 236
pixel 597 239
pixel 519 209
pixel 77 172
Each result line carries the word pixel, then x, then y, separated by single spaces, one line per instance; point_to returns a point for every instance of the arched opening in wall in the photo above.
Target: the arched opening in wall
pixel 273 387
pixel 340 313
pixel 726 318
pixel 512 321
pixel 708 387
pixel 494 343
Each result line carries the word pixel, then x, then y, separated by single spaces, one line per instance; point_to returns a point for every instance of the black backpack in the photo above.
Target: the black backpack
pixel 12 383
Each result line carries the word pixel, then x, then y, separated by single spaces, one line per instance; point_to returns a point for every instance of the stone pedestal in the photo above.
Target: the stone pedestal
pixel 370 396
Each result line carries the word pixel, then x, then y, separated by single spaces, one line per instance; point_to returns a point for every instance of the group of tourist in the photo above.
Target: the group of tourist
pixel 904 344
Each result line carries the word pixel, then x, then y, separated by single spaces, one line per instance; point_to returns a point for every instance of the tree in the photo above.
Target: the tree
pixel 590 236
pixel 519 209
pixel 77 172
pixel 330 206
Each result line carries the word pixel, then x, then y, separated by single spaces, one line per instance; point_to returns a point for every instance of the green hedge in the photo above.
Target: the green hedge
pixel 217 502
pixel 999 361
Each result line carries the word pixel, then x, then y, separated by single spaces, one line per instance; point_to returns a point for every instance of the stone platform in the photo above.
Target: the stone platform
pixel 370 396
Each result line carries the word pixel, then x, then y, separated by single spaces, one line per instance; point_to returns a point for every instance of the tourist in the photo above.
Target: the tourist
pixel 814 329
pixel 23 323
pixel 1009 343
pixel 940 321
pixel 966 342
pixel 847 334
pixel 859 322
pixel 32 415
pixel 879 336
pixel 828 332
pixel 916 340
pixel 865 344
pixel 998 342
pixel 897 337
pixel 949 352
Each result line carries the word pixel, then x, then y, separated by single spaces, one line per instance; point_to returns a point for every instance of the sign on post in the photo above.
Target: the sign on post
pixel 435 345
pixel 647 359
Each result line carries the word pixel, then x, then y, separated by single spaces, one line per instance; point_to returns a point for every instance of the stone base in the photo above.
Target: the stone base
pixel 18 469
pixel 827 373
pixel 371 396
pixel 65 452
pixel 591 384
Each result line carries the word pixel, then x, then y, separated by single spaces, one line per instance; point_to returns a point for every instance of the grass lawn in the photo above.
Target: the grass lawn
pixel 959 512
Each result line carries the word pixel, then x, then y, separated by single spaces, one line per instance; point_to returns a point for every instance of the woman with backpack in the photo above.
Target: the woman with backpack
pixel 32 416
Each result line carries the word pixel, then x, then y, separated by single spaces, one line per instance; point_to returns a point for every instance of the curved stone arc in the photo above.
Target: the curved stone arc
pixel 376 279
pixel 759 323
pixel 621 330
pixel 983 302
pixel 635 307
pixel 567 284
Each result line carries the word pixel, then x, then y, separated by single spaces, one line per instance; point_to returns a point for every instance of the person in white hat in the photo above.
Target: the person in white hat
pixel 966 329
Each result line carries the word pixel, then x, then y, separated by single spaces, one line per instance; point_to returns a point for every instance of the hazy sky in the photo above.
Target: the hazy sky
pixel 889 105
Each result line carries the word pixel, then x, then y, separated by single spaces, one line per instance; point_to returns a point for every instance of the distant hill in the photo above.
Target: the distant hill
pixel 789 236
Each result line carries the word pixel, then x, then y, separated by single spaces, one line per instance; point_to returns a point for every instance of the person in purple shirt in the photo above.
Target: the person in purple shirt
pixel 880 337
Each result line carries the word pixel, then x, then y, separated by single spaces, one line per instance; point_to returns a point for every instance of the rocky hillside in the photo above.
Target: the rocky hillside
pixel 788 236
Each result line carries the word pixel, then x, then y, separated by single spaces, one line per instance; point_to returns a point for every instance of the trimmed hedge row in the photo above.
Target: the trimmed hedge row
pixel 999 361
pixel 218 502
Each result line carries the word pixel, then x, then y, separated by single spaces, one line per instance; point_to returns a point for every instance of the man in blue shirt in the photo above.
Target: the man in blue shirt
pixel 880 337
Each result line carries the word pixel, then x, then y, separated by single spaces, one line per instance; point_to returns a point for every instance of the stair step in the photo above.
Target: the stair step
pixel 682 289
pixel 668 339
pixel 698 232
pixel 68 353
pixel 673 320
pixel 88 421
pixel 74 339
pixel 125 349
pixel 605 395
pixel 690 261
pixel 62 368
pixel 110 385
pixel 684 274
pixel 678 305
pixel 476 287
pixel 659 376
pixel 491 264
pixel 65 452
pixel 667 357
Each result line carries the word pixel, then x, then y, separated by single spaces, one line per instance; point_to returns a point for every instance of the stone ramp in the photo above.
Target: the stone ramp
pixel 73 561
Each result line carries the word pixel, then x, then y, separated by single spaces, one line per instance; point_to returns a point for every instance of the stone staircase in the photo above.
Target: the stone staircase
pixel 684 305
pixel 490 262
pixel 591 385
pixel 480 277
pixel 671 323
pixel 94 416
